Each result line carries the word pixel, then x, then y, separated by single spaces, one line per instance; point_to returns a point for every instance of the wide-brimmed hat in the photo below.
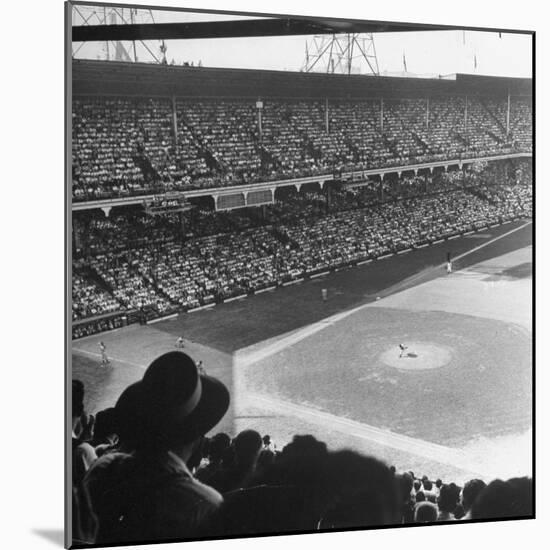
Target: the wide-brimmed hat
pixel 172 402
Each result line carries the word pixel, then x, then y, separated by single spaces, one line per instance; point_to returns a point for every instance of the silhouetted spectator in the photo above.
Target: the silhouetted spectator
pixel 447 501
pixel 425 512
pixel 152 494
pixel 504 499
pixel 246 448
pixel 217 448
pixel 470 492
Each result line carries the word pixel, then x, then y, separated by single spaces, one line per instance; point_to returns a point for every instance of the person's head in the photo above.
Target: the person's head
pixel 217 447
pixel 405 482
pixel 305 446
pixel 266 459
pixel 105 427
pixel 171 407
pixel 247 445
pixel 417 485
pixel 470 492
pixel 501 499
pixel 425 512
pixel 77 406
pixel 428 485
pixel 266 439
pixel 448 499
pixel 438 483
pixel 361 490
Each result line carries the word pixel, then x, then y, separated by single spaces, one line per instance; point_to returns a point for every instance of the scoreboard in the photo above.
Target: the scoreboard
pixel 167 203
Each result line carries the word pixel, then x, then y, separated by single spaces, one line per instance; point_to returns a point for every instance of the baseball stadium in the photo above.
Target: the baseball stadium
pixel 350 255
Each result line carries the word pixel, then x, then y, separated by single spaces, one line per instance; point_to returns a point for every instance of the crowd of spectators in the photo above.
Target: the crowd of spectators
pixel 126 146
pixel 182 261
pixel 144 470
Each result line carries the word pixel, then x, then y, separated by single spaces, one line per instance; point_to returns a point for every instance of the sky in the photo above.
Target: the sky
pixel 428 53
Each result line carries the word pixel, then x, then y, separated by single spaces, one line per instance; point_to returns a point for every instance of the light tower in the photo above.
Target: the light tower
pixel 137 50
pixel 342 54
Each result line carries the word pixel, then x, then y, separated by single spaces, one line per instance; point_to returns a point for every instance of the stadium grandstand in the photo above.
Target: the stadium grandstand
pixel 238 214
pixel 223 163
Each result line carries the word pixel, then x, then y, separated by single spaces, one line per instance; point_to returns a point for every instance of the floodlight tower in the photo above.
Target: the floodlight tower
pixel 342 54
pixel 140 50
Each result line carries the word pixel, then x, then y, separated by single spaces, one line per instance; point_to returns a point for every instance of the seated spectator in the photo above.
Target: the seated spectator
pixel 362 492
pixel 83 456
pixel 504 499
pixel 420 496
pixel 447 502
pixel 268 444
pixel 105 438
pixel 246 446
pixel 83 453
pixel 217 449
pixel 428 489
pixel 469 494
pixel 151 494
pixel 406 488
pixel 266 459
pixel 425 512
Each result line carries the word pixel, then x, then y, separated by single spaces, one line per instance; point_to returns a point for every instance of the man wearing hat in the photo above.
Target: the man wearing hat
pixel 148 493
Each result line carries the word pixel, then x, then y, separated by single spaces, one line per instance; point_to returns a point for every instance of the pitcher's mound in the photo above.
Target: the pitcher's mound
pixel 417 356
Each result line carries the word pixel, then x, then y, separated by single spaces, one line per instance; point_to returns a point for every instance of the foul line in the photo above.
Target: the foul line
pixel 386 438
pixel 491 241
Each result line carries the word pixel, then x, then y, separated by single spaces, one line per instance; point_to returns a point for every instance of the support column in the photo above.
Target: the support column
pixel 259 107
pixel 182 225
pixel 327 126
pixel 106 210
pixel 381 187
pixel 77 235
pixel 381 115
pixel 466 113
pixel 508 115
pixel 427 112
pixel 174 120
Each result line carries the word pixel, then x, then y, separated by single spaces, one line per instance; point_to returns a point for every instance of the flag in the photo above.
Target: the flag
pixel 463 38
pixel 404 63
pixel 475 62
pixel 307 55
pixel 500 35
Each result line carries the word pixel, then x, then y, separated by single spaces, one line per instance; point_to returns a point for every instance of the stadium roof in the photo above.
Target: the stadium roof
pixel 90 77
pixel 238 28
